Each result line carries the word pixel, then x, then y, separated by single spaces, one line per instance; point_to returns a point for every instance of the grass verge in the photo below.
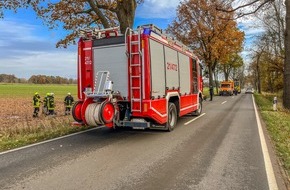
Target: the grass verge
pixel 19 136
pixel 278 126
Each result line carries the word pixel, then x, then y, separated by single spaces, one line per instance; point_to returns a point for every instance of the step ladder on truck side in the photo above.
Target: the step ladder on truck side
pixel 134 53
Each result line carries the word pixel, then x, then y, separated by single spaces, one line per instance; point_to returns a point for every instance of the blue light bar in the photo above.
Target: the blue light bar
pixel 147 31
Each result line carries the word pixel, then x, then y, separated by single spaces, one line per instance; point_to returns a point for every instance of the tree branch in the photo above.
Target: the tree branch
pixel 246 5
pixel 85 11
pixel 96 9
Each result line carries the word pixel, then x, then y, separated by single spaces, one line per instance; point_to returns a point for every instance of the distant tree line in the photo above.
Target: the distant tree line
pixel 37 79
pixel 8 78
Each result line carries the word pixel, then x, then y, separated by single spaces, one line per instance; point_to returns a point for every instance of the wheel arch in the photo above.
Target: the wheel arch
pixel 174 98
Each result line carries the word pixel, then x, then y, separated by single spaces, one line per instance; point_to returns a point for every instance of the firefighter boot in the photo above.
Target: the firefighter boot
pixel 35 114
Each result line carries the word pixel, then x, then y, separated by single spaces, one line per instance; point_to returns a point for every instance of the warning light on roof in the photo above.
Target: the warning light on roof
pixel 147 31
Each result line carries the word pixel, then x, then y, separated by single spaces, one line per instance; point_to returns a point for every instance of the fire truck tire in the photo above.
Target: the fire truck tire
pixel 76 111
pixel 199 108
pixel 172 117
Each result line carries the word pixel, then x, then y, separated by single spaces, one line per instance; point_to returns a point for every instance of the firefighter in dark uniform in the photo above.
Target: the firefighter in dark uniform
pixel 68 102
pixel 50 104
pixel 45 101
pixel 211 92
pixel 36 104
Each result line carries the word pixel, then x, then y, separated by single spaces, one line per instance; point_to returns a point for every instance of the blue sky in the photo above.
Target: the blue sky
pixel 27 47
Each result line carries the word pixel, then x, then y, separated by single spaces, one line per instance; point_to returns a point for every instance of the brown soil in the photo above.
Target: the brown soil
pixel 17 112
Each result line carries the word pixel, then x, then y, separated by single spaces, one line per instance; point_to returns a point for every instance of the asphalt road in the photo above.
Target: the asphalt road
pixel 219 150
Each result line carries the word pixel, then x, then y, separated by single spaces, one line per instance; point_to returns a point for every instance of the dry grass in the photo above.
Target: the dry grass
pixel 18 127
pixel 19 111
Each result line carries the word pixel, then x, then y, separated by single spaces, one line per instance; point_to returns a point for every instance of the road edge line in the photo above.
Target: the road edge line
pixel 47 141
pixel 272 183
pixel 194 119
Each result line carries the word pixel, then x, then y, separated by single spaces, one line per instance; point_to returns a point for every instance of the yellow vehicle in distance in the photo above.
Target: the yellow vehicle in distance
pixel 226 88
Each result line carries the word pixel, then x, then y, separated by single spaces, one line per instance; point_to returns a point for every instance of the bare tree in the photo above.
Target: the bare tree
pixel 257 5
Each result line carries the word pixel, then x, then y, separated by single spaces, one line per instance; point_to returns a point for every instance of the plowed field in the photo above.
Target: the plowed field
pixel 17 108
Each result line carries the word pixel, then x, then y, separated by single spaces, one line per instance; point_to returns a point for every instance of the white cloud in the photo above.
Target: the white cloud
pixel 253 28
pixel 25 51
pixel 157 9
pixel 46 63
pixel 16 30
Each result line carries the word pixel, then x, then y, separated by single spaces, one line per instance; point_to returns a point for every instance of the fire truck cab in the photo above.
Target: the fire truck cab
pixel 142 79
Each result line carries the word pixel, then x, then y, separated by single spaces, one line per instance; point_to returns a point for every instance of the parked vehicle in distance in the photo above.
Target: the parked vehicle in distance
pixel 249 91
pixel 226 88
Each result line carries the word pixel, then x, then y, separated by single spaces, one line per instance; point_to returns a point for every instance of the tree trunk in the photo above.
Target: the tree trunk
pixel 216 81
pixel 286 90
pixel 258 75
pixel 126 13
pixel 210 74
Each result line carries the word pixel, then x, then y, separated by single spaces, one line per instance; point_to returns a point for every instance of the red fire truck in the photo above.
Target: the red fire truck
pixel 143 79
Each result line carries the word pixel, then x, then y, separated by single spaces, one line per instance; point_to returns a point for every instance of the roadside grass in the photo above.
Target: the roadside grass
pixel 18 127
pixel 206 93
pixel 278 126
pixel 28 90
pixel 19 136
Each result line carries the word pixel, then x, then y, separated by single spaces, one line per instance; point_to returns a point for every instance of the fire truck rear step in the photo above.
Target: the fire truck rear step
pixel 136 123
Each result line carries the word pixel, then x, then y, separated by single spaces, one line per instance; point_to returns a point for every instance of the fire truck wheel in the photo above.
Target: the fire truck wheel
pixel 76 111
pixel 199 108
pixel 172 117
